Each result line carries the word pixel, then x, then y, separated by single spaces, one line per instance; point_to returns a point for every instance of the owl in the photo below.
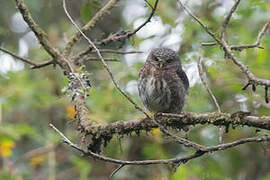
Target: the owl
pixel 162 83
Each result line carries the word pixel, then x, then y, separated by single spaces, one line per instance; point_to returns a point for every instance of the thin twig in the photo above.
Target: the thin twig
pixel 256 43
pixel 199 21
pixel 238 142
pixel 66 140
pixel 204 81
pixel 206 85
pixel 116 170
pixel 97 59
pixel 149 4
pixel 262 32
pixel 209 44
pixel 266 94
pixel 227 20
pixel 28 61
pixel 127 34
pixel 252 78
pixel 40 34
pixel 147 20
pixel 118 51
pixel 84 55
pixel 43 64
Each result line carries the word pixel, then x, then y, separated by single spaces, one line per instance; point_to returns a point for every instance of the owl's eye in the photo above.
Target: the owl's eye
pixel 155 58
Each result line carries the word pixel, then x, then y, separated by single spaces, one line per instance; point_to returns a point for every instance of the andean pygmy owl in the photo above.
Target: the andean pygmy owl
pixel 162 84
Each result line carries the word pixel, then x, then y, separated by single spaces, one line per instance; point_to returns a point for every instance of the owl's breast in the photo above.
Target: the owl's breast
pixel 154 92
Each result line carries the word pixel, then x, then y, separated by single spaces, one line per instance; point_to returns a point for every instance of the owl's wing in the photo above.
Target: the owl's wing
pixel 183 77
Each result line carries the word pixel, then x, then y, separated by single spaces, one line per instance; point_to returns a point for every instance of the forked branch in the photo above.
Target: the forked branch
pixel 252 79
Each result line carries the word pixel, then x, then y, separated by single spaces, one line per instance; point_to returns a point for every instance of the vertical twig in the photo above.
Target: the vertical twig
pixel 204 81
pixel 266 94
pixel 227 20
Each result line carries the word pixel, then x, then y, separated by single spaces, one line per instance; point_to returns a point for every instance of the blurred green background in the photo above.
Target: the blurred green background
pixel 31 99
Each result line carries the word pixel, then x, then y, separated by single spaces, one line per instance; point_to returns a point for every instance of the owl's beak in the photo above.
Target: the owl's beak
pixel 160 65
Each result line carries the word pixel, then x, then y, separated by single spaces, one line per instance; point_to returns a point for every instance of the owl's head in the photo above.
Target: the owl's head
pixel 164 57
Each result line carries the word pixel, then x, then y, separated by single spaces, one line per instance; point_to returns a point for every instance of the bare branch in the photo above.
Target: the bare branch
pixel 116 170
pixel 209 44
pixel 40 34
pixel 98 16
pixel 87 58
pixel 147 2
pixel 147 21
pixel 116 161
pixel 238 142
pixel 266 94
pixel 256 43
pixel 178 121
pixel 84 55
pixel 66 140
pixel 199 21
pixel 262 32
pixel 97 59
pixel 27 61
pixel 43 64
pixel 117 51
pixel 227 19
pixel 206 84
pixel 165 161
pixel 252 79
pixel 204 81
pixel 120 36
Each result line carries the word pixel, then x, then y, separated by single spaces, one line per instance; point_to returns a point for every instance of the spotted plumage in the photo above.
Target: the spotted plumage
pixel 162 83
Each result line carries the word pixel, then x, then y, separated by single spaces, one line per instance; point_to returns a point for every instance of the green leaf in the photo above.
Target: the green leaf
pixel 86 12
pixel 97 3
